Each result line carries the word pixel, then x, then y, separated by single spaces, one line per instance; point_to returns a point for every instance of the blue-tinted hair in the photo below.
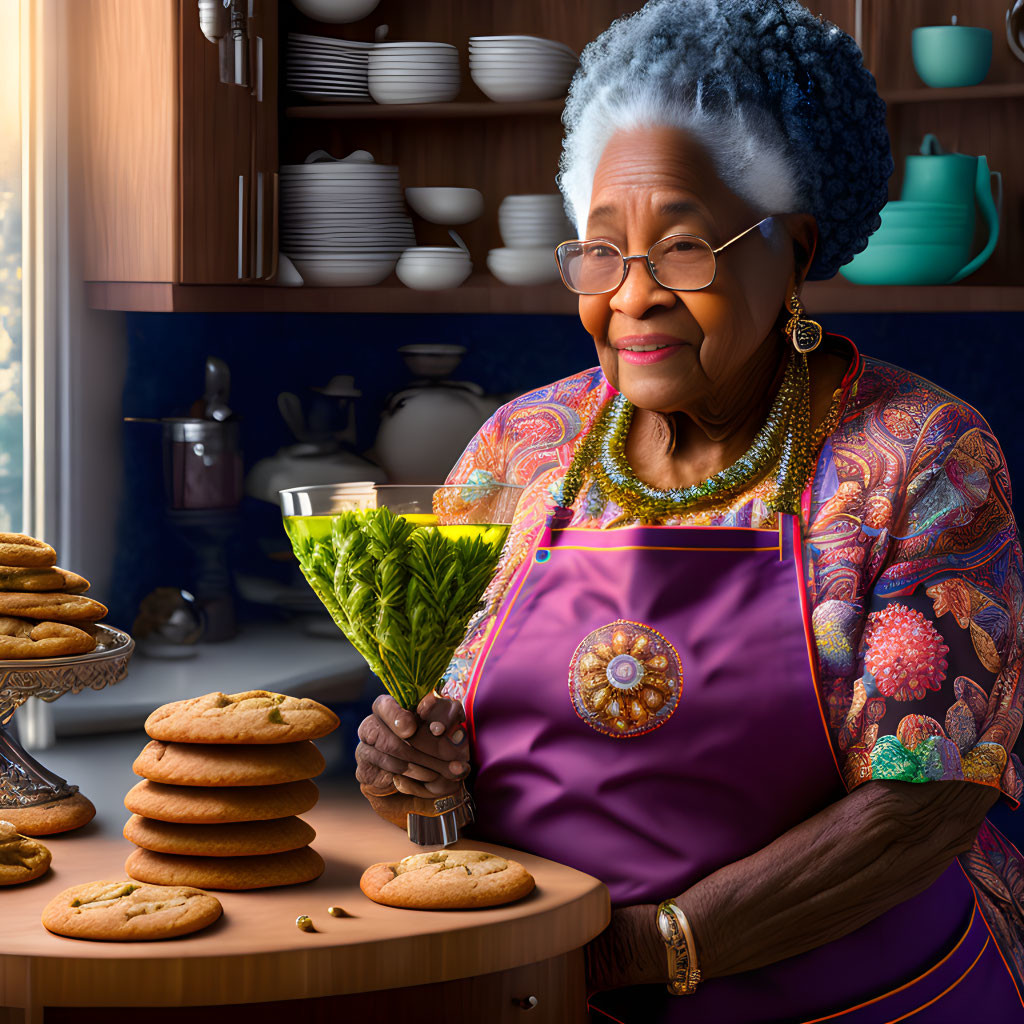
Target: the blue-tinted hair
pixel 780 98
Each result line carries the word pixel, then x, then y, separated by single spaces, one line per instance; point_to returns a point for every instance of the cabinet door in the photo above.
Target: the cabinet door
pixel 266 198
pixel 216 187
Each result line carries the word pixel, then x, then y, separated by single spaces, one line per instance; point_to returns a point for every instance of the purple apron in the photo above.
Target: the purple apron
pixel 644 709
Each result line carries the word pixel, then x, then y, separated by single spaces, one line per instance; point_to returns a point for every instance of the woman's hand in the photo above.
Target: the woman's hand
pixel 423 753
pixel 630 951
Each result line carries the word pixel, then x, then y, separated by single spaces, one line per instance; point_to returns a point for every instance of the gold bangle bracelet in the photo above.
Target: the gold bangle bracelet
pixel 684 972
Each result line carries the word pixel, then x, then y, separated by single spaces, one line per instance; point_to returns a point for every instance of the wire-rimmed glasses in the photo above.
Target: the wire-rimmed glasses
pixel 680 263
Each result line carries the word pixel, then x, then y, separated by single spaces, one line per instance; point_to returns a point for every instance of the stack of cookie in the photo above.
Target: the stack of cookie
pixel 42 612
pixel 225 776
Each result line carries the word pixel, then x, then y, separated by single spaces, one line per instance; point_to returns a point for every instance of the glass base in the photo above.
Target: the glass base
pixel 442 829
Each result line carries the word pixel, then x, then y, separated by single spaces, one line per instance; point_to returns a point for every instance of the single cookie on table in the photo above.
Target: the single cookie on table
pixel 224 764
pixel 21 858
pixel 21 639
pixel 253 716
pixel 125 911
pixel 70 608
pixel 447 880
pixel 214 805
pixel 22 551
pixel 289 868
pixel 232 839
pixel 41 580
pixel 53 816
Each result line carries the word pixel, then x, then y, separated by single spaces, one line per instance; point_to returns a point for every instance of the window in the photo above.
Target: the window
pixel 11 405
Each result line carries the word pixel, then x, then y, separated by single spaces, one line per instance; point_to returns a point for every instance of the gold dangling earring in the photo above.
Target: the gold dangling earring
pixel 805 334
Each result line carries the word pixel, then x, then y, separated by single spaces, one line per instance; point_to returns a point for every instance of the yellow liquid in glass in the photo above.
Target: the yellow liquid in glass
pixel 318 528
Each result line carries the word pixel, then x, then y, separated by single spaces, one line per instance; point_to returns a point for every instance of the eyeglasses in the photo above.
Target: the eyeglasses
pixel 680 263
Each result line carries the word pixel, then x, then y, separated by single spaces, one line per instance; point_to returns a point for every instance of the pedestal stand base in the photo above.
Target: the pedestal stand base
pixel 49 818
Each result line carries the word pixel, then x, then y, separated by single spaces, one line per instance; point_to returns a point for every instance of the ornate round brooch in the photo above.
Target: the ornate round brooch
pixel 624 679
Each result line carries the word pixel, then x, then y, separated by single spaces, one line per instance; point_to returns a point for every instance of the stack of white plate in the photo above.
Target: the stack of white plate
pixel 414 72
pixel 332 70
pixel 534 221
pixel 343 222
pixel 510 68
pixel 531 227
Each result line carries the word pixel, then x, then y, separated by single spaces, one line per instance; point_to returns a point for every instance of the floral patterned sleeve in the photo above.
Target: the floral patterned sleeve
pixel 937 691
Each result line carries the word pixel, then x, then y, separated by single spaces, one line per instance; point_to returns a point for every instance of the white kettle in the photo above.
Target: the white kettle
pixel 425 428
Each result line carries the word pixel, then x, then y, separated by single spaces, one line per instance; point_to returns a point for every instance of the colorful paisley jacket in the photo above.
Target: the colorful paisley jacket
pixel 914 578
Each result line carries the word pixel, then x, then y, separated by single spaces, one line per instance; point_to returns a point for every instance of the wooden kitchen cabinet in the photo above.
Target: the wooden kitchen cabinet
pixel 175 171
pixel 160 228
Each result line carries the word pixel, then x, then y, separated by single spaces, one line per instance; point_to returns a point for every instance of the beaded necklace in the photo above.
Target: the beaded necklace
pixel 784 440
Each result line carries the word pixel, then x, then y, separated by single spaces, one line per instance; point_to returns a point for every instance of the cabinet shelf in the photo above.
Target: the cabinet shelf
pixel 435 111
pixel 486 109
pixel 483 294
pixel 995 91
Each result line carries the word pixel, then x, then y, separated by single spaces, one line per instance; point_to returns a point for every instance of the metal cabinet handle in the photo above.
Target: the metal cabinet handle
pixel 260 198
pixel 274 243
pixel 525 1002
pixel 243 230
pixel 259 69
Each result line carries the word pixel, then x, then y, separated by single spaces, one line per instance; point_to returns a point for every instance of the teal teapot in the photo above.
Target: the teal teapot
pixel 926 235
pixel 936 176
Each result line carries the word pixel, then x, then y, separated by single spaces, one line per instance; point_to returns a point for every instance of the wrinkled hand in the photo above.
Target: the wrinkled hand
pixel 630 951
pixel 423 753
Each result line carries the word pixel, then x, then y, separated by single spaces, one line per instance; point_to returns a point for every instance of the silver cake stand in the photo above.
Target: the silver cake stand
pixel 24 782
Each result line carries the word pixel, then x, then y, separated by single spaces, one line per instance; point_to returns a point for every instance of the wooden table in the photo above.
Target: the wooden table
pixel 381 964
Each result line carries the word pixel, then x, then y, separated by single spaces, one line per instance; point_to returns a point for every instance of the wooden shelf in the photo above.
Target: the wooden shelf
pixel 435 111
pixel 480 294
pixel 996 91
pixel 839 296
pixel 483 294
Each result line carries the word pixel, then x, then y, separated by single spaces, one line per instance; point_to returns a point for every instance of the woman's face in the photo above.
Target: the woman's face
pixel 658 181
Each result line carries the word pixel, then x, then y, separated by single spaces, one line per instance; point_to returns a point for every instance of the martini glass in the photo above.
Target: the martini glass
pixel 403 568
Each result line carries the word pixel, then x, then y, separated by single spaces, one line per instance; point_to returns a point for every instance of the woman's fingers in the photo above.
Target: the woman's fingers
pixel 379 759
pixel 447 724
pixel 430 790
pixel 421 749
pixel 441 711
pixel 374 778
pixel 401 722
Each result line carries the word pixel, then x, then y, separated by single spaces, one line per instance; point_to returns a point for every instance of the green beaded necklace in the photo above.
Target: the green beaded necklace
pixel 785 437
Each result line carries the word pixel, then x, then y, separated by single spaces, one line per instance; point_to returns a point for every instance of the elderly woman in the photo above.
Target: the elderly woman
pixel 782 579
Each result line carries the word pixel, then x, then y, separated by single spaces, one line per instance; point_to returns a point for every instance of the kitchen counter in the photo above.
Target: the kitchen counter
pixel 456 966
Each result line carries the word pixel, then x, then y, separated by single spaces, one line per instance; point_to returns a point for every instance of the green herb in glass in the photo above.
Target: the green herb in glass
pixel 401 591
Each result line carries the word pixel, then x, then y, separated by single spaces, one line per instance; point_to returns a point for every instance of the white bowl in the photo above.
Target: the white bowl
pixel 519 92
pixel 287 275
pixel 337 12
pixel 523 266
pixel 504 79
pixel 355 273
pixel 441 205
pixel 408 91
pixel 436 67
pixel 378 77
pixel 414 47
pixel 429 360
pixel 430 274
pixel 521 41
pixel 432 252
